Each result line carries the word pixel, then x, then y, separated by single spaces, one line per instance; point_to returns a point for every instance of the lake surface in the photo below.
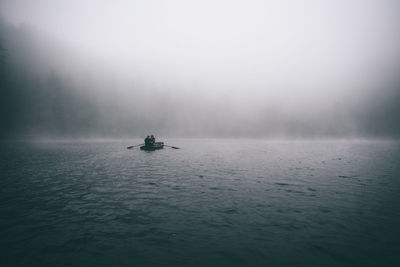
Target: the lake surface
pixel 210 203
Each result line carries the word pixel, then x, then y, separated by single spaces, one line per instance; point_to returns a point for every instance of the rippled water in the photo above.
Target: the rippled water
pixel 211 203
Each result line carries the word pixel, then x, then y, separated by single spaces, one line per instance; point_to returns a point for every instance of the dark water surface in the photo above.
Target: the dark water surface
pixel 211 203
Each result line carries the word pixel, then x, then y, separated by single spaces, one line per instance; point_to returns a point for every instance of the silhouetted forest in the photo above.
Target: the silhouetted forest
pixel 50 89
pixel 47 91
pixel 34 98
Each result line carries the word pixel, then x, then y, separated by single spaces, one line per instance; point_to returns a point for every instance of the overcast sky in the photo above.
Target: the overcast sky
pixel 297 56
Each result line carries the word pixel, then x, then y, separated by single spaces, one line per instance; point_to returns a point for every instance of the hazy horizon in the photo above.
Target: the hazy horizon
pixel 252 69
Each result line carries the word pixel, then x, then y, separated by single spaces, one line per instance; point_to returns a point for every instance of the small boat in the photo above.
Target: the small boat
pixel 155 146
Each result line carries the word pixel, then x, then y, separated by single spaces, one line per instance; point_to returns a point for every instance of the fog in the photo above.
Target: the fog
pixel 306 69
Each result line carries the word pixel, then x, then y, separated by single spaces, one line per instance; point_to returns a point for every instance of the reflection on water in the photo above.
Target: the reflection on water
pixel 213 202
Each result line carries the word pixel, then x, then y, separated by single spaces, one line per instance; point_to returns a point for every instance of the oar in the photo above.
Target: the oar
pixel 129 147
pixel 174 147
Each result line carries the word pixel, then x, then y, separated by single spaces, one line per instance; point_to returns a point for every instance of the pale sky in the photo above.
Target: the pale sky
pixel 298 56
pixel 253 39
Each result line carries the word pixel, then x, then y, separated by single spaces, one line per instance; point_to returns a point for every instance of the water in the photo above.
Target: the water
pixel 211 203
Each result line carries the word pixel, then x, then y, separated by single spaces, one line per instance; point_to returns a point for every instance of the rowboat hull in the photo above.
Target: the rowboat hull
pixel 156 146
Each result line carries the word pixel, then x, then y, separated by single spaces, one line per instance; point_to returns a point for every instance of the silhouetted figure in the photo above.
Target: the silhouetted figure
pixel 152 140
pixel 147 141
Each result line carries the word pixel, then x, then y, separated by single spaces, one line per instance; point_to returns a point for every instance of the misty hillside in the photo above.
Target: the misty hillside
pixel 50 88
pixel 35 98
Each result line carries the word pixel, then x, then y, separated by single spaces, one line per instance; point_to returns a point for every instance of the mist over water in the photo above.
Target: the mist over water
pixel 280 121
pixel 216 68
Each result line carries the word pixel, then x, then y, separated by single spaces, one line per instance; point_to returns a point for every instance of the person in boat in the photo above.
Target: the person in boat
pixel 147 141
pixel 152 139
